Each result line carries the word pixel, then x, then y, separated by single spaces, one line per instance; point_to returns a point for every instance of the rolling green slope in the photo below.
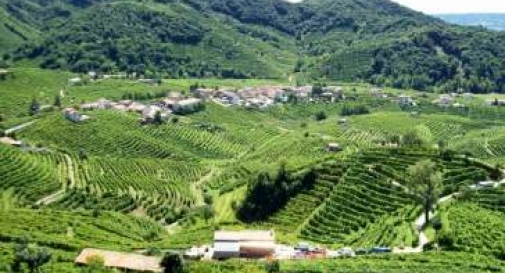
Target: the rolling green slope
pixel 14 33
pixel 376 41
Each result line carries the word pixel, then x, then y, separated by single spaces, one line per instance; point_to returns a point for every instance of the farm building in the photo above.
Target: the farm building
pixel 378 93
pixel 150 111
pixel 74 81
pixel 121 261
pixel 72 115
pixel 203 93
pixel 252 244
pixel 444 100
pixel 4 73
pixel 104 104
pixel 333 147
pixel 187 106
pixel 404 100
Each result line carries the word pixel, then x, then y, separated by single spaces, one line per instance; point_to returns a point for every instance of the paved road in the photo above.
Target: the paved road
pixel 19 127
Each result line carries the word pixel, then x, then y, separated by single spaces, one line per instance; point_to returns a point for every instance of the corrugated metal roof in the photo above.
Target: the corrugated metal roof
pixel 227 247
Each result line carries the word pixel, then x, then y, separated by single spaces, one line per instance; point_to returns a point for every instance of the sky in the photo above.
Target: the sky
pixel 452 6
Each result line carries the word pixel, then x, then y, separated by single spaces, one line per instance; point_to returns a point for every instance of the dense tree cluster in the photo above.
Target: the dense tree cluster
pixel 267 194
pixel 449 59
pixel 354 109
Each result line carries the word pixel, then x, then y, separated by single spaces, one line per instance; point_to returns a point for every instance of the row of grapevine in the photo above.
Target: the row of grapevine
pixel 471 228
pixel 30 178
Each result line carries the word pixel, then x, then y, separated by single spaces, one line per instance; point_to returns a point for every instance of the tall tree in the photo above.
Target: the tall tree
pixel 34 107
pixel 158 119
pixel 426 184
pixel 57 101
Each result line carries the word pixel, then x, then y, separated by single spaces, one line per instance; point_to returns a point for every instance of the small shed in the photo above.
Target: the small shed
pixel 333 147
pixel 121 261
pixel 11 141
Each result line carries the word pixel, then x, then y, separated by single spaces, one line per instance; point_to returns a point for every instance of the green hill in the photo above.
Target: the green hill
pixel 377 41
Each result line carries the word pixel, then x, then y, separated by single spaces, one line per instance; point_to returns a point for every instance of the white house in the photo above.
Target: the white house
pixel 404 100
pixel 74 81
pixel 72 115
pixel 104 104
pixel 444 100
pixel 187 106
pixel 247 243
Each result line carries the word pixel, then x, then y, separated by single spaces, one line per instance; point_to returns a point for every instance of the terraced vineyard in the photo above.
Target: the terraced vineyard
pixel 66 233
pixel 474 229
pixel 493 199
pixel 364 200
pixel 120 134
pixel 113 183
pixel 303 205
pixel 360 198
pixel 29 177
pixel 438 262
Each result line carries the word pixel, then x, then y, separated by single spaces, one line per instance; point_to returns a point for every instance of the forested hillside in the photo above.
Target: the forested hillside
pixel 377 41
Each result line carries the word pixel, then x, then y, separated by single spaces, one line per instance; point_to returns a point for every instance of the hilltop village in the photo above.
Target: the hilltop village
pixel 260 98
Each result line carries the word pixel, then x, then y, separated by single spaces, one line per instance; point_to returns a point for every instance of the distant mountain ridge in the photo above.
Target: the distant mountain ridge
pixel 377 41
pixel 493 21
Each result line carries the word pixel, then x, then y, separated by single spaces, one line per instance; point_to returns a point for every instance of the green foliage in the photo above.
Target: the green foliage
pixel 380 42
pixel 30 255
pixel 172 263
pixel 411 139
pixel 267 194
pixel 356 109
pixel 57 101
pixel 468 227
pixel 273 266
pixel 426 184
pixel 320 116
pixel 34 107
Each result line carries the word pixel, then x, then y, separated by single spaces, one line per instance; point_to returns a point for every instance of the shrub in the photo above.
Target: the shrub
pixel 172 263
pixel 273 266
pixel 358 109
pixel 320 116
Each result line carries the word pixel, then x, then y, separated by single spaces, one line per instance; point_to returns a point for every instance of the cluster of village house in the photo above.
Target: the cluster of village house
pixel 174 103
pixel 251 97
pixel 443 100
pixel 94 76
pixel 265 96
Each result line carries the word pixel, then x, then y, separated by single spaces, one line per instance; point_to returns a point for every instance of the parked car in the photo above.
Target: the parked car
pixel 380 249
pixel 361 251
pixel 346 252
pixel 303 246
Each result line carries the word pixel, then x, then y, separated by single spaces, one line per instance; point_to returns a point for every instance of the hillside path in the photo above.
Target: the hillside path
pixel 196 188
pixel 60 193
pixel 419 223
pixel 19 127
